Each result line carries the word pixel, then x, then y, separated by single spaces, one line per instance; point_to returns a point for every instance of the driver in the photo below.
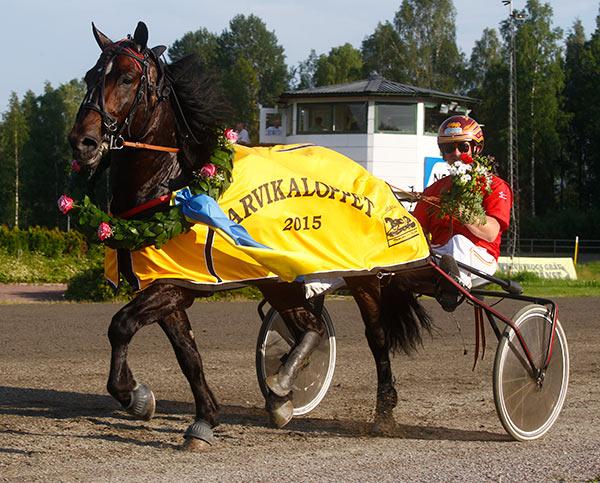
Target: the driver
pixel 477 245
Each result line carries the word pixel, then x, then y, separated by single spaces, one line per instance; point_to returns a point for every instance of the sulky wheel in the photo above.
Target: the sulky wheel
pixel 528 405
pixel 275 341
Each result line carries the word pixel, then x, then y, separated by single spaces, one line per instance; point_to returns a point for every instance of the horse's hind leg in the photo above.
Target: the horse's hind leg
pixel 367 293
pixel 304 321
pixel 179 331
pixel 152 305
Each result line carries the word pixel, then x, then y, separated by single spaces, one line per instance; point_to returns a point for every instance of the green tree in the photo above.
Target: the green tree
pixel 419 47
pixel 578 93
pixel 383 52
pixel 486 55
pixel 248 37
pixel 582 69
pixel 342 64
pixel 242 84
pixel 302 76
pixel 541 80
pixel 486 78
pixel 46 159
pixel 259 78
pixel 14 135
pixel 201 42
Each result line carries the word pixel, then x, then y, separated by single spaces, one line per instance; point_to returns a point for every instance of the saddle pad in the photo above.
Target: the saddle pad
pixel 316 212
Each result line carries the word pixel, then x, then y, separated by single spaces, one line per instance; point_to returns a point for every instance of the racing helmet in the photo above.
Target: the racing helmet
pixel 461 128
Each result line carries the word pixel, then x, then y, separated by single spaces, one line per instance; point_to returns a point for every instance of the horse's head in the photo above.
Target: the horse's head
pixel 123 89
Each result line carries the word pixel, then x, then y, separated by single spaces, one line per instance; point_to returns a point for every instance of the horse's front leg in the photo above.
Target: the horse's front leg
pixel 367 293
pixel 152 305
pixel 179 331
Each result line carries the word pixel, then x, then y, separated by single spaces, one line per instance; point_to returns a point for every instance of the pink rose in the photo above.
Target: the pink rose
pixel 231 135
pixel 75 166
pixel 208 170
pixel 466 158
pixel 104 231
pixel 65 204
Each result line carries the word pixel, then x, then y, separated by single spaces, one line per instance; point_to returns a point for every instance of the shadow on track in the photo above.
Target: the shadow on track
pixel 99 410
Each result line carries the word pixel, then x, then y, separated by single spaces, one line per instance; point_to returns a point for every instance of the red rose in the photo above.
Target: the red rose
pixel 208 170
pixel 231 135
pixel 466 158
pixel 104 231
pixel 75 166
pixel 65 204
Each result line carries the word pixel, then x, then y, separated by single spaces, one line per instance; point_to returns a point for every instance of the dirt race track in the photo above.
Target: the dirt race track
pixel 58 423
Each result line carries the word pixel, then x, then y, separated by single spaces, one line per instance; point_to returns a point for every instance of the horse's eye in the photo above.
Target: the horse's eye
pixel 126 80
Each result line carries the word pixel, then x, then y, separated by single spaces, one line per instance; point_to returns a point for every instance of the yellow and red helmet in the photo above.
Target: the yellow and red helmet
pixel 461 128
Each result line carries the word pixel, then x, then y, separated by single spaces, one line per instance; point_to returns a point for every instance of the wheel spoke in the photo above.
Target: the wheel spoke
pixel 516 393
pixel 508 381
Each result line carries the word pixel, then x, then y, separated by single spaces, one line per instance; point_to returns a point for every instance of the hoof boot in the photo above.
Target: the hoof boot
pixel 200 430
pixel 142 403
pixel 276 387
pixel 281 413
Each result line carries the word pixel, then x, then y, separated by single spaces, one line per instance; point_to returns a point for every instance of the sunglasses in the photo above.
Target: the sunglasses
pixel 463 147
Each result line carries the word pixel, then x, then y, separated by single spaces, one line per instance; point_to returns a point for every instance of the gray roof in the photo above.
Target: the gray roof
pixel 375 85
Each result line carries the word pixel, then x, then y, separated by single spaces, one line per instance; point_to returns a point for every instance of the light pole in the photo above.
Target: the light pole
pixel 513 164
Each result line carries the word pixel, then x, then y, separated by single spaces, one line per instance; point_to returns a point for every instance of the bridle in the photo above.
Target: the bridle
pixel 113 132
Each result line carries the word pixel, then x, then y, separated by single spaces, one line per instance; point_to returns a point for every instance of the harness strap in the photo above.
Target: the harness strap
pixel 144 206
pixel 153 147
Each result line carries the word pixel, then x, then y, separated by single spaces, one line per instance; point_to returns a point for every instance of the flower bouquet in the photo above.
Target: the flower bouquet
pixel 471 181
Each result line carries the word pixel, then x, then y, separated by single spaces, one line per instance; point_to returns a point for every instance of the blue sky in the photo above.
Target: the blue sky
pixel 51 40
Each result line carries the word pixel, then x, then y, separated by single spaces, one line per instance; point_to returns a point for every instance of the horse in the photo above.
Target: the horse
pixel 135 96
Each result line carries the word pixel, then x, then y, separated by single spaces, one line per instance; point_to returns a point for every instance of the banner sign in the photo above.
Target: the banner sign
pixel 544 267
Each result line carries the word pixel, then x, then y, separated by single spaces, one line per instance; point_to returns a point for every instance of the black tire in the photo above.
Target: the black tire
pixel 526 408
pixel 273 344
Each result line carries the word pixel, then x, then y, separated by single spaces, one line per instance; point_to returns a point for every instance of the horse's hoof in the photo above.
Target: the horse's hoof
pixel 281 413
pixel 384 427
pixel 197 433
pixel 275 387
pixel 142 403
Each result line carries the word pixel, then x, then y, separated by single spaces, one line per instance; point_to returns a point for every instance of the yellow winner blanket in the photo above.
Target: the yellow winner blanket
pixel 318 213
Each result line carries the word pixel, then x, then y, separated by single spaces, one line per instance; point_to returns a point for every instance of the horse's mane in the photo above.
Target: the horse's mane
pixel 200 106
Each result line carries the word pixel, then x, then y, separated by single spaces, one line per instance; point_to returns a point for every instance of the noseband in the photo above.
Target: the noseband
pixel 94 98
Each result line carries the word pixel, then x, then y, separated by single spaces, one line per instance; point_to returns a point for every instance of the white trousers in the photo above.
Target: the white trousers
pixel 465 251
pixel 320 286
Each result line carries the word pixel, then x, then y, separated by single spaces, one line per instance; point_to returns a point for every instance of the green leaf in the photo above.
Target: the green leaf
pixel 176 230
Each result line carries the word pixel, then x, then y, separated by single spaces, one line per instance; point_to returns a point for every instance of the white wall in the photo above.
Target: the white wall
pixel 355 146
pixel 397 158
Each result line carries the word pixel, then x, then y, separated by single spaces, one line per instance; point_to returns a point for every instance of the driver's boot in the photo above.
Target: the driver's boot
pixel 281 383
pixel 447 294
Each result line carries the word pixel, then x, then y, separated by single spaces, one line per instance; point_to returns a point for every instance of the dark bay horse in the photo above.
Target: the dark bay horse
pixel 132 95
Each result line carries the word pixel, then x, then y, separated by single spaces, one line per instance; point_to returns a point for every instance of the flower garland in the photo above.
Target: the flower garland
pixel 471 181
pixel 211 179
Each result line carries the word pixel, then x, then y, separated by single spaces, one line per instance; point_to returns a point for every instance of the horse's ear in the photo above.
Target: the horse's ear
pixel 140 36
pixel 103 40
pixel 158 50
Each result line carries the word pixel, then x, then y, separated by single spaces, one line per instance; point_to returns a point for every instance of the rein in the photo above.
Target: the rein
pixel 136 210
pixel 119 143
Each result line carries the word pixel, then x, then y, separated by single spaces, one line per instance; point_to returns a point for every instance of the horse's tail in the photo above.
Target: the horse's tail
pixel 403 318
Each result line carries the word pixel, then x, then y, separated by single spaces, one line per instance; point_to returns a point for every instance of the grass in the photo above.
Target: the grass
pixel 37 268
pixel 85 274
pixel 586 285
